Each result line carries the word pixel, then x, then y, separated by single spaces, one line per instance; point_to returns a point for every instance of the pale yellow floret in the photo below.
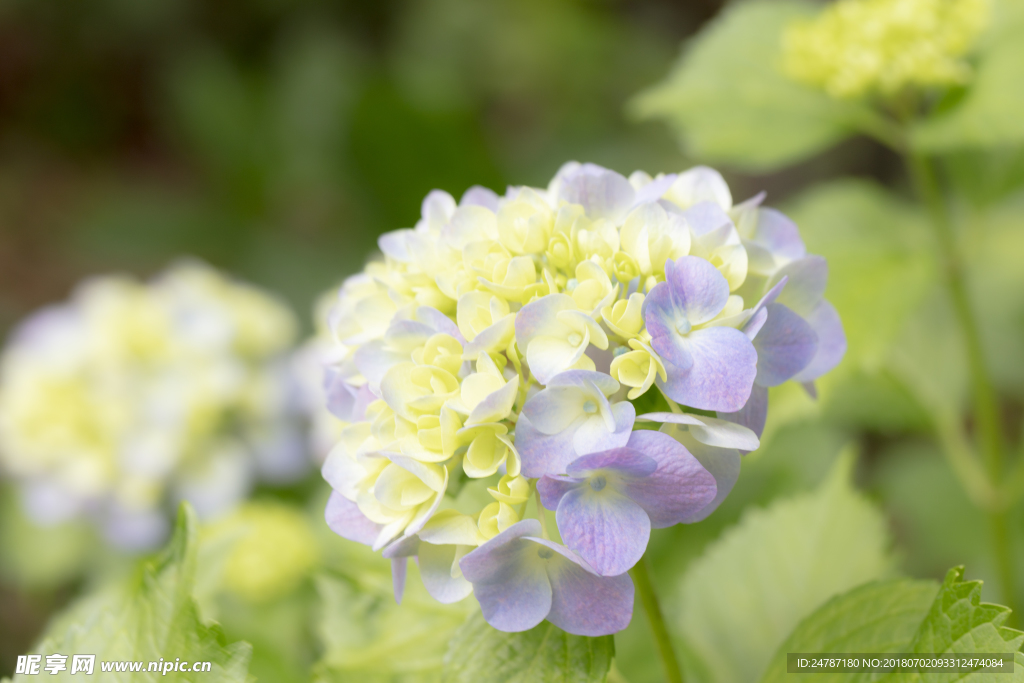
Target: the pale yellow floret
pixel 525 225
pixel 866 47
pixel 651 237
pixel 592 289
pixel 489 448
pixel 495 518
pixel 511 490
pixel 624 318
pixel 441 350
pixel 484 315
pixel 638 368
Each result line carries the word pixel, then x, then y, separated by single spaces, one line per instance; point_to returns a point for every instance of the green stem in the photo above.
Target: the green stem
pixel 642 580
pixel 986 407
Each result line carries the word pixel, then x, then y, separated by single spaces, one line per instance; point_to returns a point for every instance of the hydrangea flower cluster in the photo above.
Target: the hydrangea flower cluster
pixel 491 366
pixel 132 396
pixel 858 47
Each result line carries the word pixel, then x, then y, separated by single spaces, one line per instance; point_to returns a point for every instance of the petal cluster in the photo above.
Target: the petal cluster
pixel 132 396
pixel 486 370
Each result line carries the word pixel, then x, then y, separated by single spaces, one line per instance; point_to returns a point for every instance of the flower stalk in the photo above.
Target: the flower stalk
pixel 644 586
pixel 987 422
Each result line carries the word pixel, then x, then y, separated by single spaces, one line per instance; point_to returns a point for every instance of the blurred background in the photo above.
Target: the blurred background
pixel 276 140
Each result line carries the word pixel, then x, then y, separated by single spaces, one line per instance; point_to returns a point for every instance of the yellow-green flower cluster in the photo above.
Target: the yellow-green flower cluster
pixel 866 47
pixel 131 395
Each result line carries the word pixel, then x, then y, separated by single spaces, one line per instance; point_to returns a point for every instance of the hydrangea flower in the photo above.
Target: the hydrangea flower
pixel 858 47
pixel 487 367
pixel 132 396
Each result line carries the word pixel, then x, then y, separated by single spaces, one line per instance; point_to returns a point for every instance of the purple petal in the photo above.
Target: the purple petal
pixel 759 315
pixel 606 528
pixel 406 546
pixel 480 196
pixel 583 603
pixel 706 216
pixel 723 371
pixel 722 463
pixel 593 434
pixel 440 322
pixel 437 206
pixel 399 570
pixel 653 191
pixel 755 323
pixel 344 518
pixel 754 413
pixel 806 286
pixel 339 394
pixel 395 244
pixel 585 379
pixel 374 360
pixel 552 488
pixel 436 572
pixel 626 461
pixel 831 341
pixel 699 291
pixel 778 234
pixel 785 345
pixel 659 315
pixel 546 409
pixel 602 193
pixel 679 488
pixel 511 586
pixel 542 454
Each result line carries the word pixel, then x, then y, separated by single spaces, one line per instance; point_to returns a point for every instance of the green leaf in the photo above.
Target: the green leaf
pixel 728 101
pixel 153 618
pixel 881 616
pixel 744 596
pixel 906 616
pixel 481 654
pixel 959 622
pixel 368 637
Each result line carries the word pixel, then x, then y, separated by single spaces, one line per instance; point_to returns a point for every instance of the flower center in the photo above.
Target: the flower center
pixel 684 326
pixel 598 483
pixel 575 338
pixel 589 407
pixel 545 553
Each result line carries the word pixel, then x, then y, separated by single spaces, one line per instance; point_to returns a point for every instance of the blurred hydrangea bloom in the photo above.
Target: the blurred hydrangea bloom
pixel 131 396
pixel 271 547
pixel 488 364
pixel 862 47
